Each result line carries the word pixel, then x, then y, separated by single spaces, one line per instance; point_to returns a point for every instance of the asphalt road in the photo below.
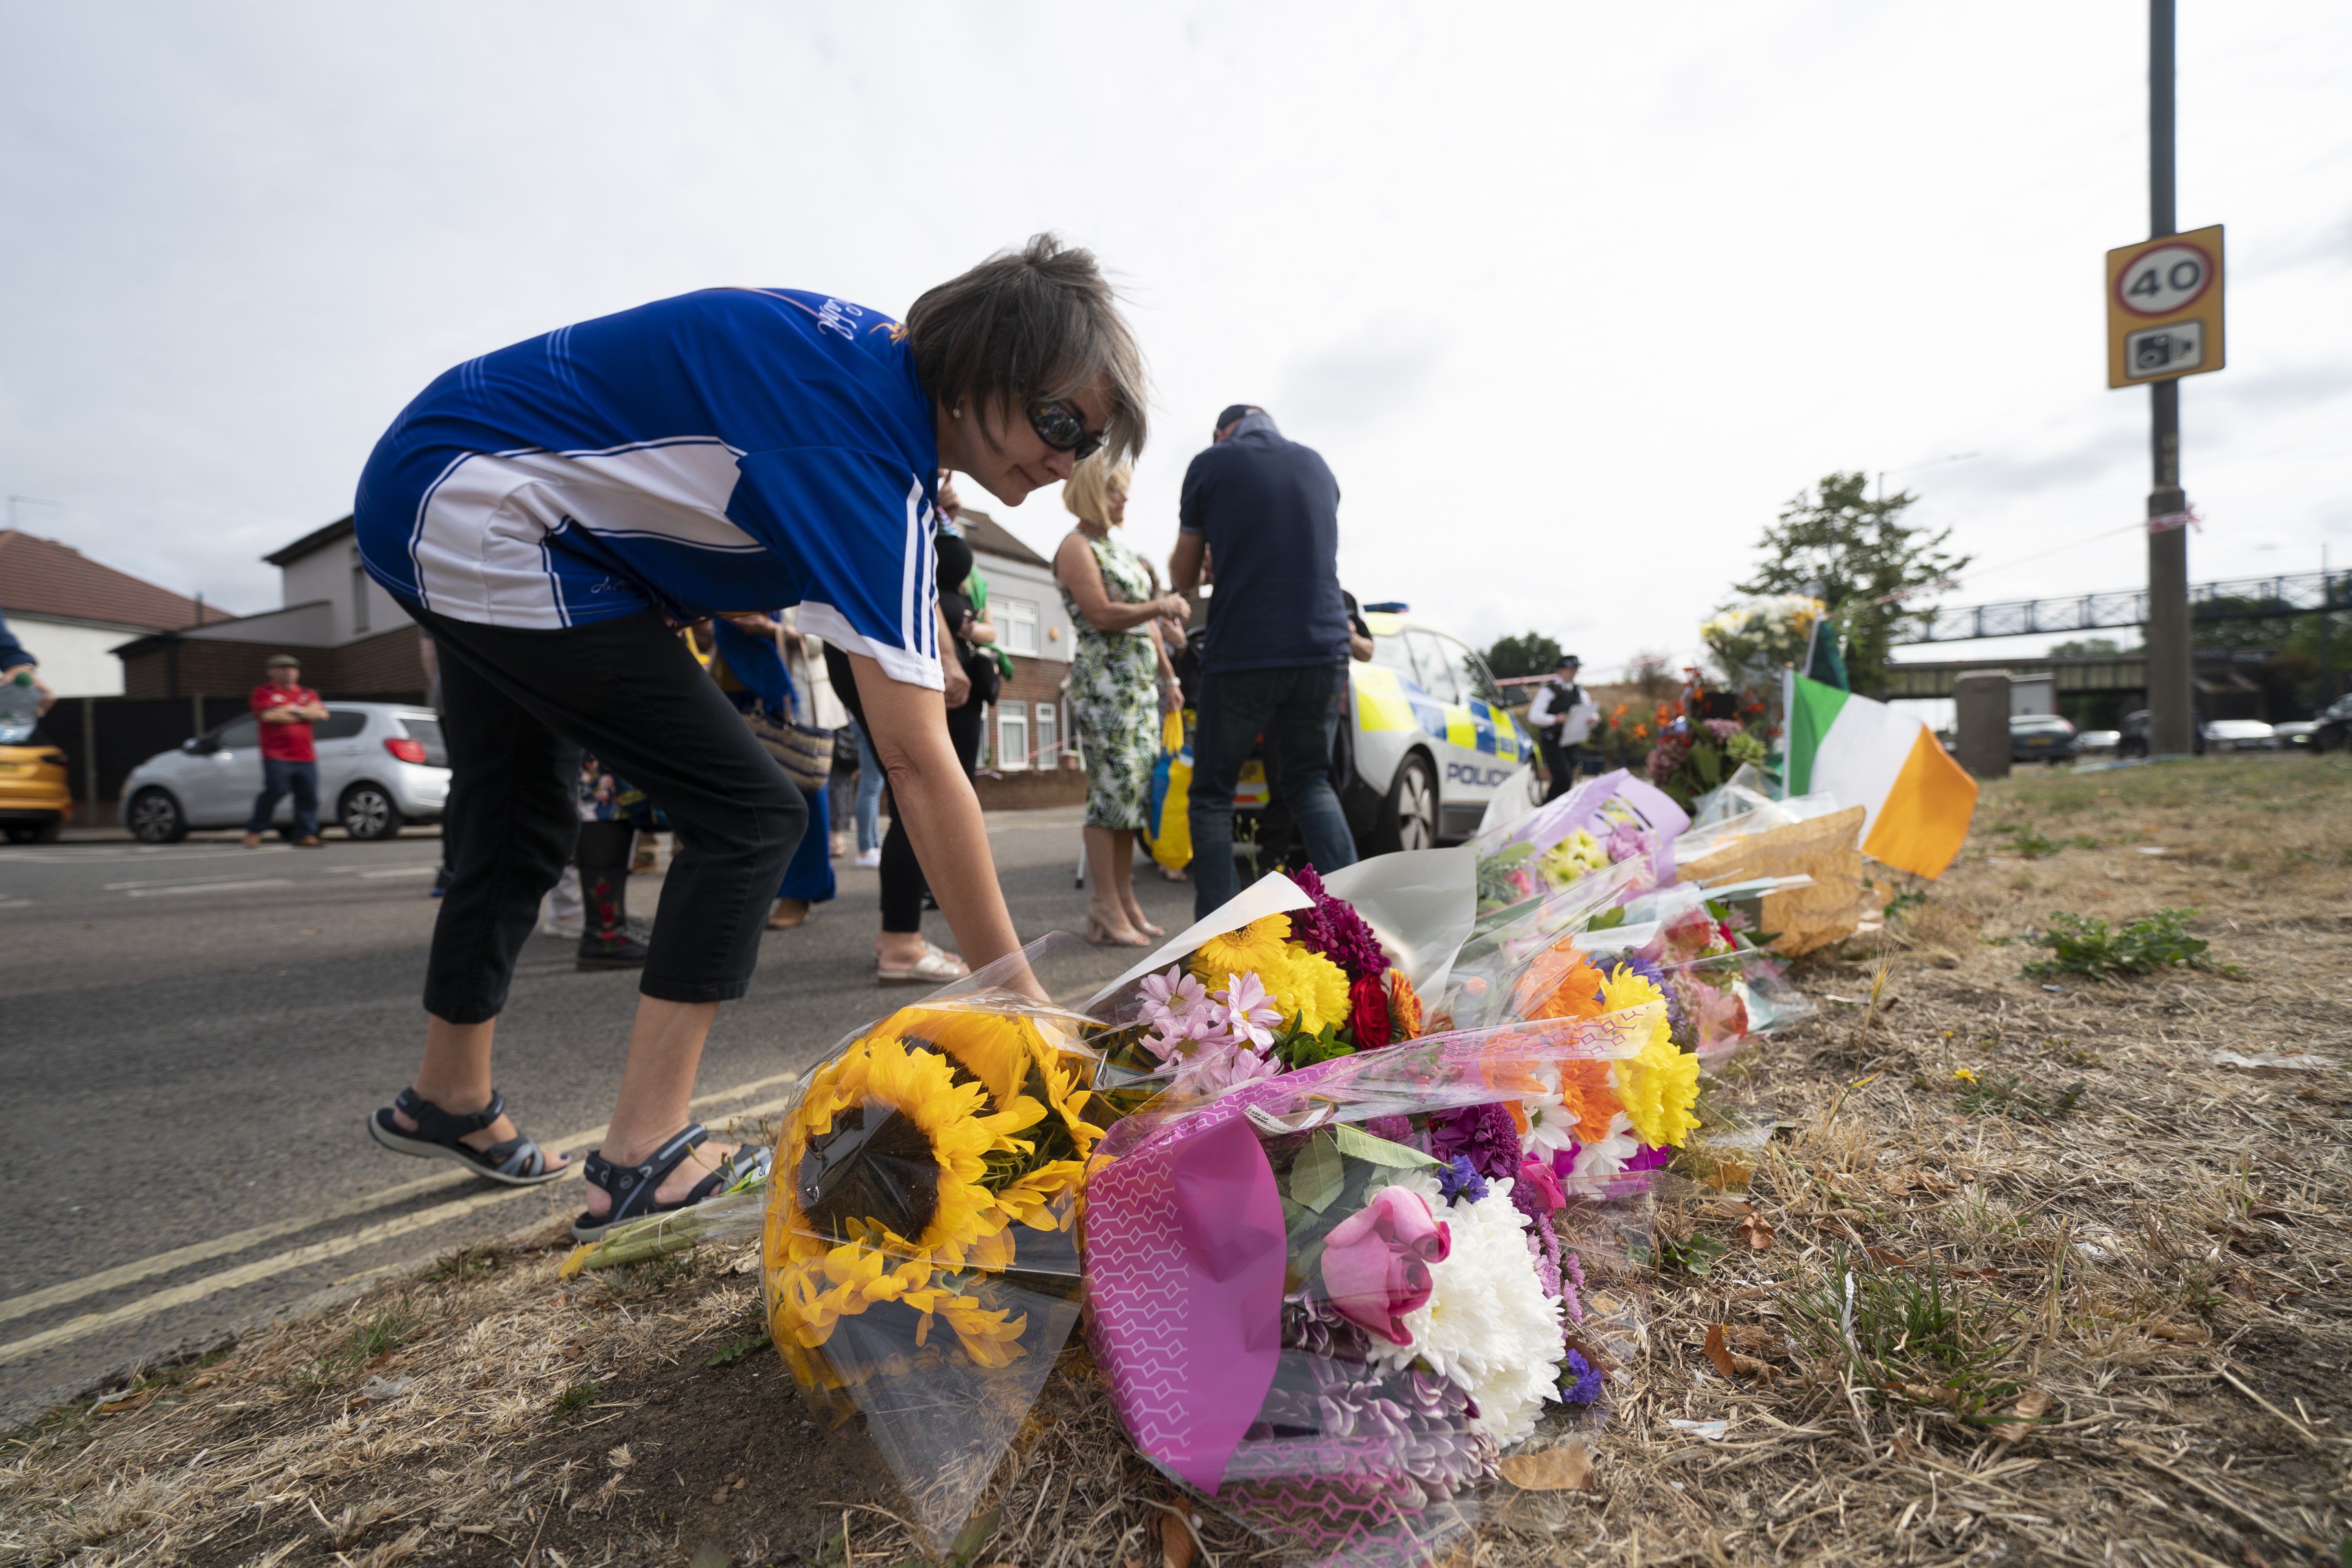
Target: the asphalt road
pixel 195 1034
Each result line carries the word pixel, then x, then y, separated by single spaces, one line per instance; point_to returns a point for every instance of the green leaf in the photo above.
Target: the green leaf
pixel 1358 1145
pixel 1318 1175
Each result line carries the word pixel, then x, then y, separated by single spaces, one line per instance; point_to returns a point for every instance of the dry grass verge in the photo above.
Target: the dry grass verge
pixel 2026 1275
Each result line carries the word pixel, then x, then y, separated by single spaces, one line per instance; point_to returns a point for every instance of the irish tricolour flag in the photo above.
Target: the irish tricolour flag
pixel 1868 754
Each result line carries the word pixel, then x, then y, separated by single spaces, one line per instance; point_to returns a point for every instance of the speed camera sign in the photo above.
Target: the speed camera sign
pixel 2164 308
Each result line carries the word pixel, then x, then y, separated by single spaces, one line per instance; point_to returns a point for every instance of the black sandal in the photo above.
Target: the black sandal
pixel 516 1163
pixel 631 1186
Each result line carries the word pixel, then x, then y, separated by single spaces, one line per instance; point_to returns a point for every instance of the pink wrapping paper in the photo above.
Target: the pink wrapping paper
pixel 1185 1271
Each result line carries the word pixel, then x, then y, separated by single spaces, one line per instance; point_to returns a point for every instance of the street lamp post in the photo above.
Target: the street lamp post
pixel 2169 674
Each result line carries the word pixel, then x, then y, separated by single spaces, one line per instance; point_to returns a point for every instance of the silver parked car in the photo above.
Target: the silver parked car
pixel 2240 735
pixel 381 765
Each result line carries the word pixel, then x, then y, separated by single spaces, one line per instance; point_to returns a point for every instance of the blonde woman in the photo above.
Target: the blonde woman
pixel 1114 672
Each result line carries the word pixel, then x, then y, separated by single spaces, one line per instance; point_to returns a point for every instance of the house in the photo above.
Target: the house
pixel 70 612
pixel 1029 727
pixel 353 639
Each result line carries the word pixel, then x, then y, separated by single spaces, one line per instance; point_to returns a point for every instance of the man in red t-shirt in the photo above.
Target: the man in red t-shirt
pixel 289 762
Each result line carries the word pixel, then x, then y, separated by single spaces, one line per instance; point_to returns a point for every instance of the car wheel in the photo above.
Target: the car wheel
pixel 1408 819
pixel 156 818
pixel 367 813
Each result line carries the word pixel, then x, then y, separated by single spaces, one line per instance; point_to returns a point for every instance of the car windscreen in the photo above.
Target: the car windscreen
pixel 1390 653
pixel 1436 673
pixel 238 733
pixel 1469 672
pixel 428 731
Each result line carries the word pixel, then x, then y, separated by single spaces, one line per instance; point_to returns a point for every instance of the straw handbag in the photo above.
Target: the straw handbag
pixel 803 751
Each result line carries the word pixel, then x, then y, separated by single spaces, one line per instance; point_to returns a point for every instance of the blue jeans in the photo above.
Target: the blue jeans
pixel 869 793
pixel 1298 711
pixel 278 779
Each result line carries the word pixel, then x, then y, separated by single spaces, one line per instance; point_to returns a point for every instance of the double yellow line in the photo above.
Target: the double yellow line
pixel 180 1257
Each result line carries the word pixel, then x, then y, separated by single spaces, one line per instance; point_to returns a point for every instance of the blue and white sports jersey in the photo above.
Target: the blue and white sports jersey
pixel 732 449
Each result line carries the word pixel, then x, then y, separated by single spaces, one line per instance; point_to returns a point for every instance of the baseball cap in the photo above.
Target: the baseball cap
pixel 1236 411
pixel 276 660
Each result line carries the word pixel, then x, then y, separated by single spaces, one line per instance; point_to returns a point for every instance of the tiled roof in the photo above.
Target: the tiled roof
pixel 989 537
pixel 43 578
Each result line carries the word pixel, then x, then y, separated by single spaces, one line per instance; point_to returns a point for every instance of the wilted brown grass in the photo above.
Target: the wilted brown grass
pixel 2159 1270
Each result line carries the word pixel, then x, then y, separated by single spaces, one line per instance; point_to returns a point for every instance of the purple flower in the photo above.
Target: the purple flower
pixel 1335 929
pixel 1586 1388
pixel 1646 1159
pixel 1460 1180
pixel 1486 1133
pixel 1395 1129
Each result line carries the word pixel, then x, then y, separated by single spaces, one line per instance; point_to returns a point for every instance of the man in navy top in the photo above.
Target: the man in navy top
pixel 1267 511
pixel 551 512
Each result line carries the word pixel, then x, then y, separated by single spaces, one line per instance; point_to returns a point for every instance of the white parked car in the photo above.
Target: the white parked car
pixel 381 765
pixel 2240 735
pixel 1430 743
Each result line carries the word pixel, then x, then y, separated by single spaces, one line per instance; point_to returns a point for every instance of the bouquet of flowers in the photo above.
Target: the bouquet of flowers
pixel 1290 973
pixel 1751 639
pixel 1604 822
pixel 920 1250
pixel 1330 1299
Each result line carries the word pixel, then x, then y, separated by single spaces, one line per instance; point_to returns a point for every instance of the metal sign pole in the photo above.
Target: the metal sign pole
pixel 2169 667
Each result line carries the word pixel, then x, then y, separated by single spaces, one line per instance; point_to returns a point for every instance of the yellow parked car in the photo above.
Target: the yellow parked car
pixel 35 799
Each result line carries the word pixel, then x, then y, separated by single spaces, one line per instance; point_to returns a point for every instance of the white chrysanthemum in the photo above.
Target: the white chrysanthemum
pixel 1596 1162
pixel 1552 1126
pixel 1488 1326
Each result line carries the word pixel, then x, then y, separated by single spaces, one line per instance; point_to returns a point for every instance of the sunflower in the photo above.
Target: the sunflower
pixel 1256 948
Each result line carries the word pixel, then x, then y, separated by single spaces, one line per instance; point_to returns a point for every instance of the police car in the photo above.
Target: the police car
pixel 1431 742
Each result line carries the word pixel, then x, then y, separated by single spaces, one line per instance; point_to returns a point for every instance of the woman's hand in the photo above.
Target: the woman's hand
pixel 909 729
pixel 1171 699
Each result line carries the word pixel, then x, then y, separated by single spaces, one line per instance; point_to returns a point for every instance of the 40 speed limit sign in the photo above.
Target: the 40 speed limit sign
pixel 2164 308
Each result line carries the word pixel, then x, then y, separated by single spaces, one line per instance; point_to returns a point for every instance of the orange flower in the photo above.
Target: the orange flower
pixel 1589 1095
pixel 1560 983
pixel 1405 1009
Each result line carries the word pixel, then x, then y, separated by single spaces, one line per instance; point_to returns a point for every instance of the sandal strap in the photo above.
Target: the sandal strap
pixel 435 1125
pixel 518 1156
pixel 747 1161
pixel 631 1186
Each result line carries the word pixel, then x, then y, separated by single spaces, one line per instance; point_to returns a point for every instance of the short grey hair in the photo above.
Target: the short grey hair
pixel 1036 324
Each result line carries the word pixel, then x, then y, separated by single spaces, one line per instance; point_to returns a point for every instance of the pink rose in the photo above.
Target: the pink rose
pixel 1376 1261
pixel 1537 1178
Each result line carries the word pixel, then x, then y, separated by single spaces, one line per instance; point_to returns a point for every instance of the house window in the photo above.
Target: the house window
pixel 1011 738
pixel 1016 622
pixel 1049 735
pixel 359 594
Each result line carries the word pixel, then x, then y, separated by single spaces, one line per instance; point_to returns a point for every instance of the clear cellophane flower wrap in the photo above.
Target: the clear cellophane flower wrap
pixel 920 1251
pixel 1288 973
pixel 1604 822
pixel 1319 1301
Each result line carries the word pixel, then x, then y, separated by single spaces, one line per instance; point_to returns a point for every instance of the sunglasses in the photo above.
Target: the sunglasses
pixel 1063 428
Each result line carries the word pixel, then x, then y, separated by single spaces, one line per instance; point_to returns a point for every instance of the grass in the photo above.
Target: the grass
pixel 1900 1335
pixel 2165 1259
pixel 578 1396
pixel 2083 944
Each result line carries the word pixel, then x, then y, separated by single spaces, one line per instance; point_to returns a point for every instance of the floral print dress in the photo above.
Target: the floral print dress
pixel 1114 695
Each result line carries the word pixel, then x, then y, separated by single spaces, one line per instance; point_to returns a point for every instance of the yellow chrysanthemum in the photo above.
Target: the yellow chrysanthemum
pixel 1256 949
pixel 1309 987
pixel 1659 1085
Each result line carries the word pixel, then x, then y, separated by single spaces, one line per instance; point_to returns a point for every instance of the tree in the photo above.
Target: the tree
pixel 2089 647
pixel 1856 556
pixel 1653 674
pixel 1530 653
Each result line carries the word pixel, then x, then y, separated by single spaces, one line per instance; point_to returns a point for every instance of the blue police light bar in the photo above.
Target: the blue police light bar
pixel 1389 608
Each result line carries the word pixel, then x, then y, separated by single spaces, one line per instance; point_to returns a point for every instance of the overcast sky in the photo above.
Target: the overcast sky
pixel 1572 296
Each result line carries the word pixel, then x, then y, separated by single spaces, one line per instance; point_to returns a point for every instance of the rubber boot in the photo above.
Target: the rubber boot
pixel 604 939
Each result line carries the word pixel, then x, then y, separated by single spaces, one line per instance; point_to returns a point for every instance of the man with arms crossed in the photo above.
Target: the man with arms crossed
pixel 287 710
